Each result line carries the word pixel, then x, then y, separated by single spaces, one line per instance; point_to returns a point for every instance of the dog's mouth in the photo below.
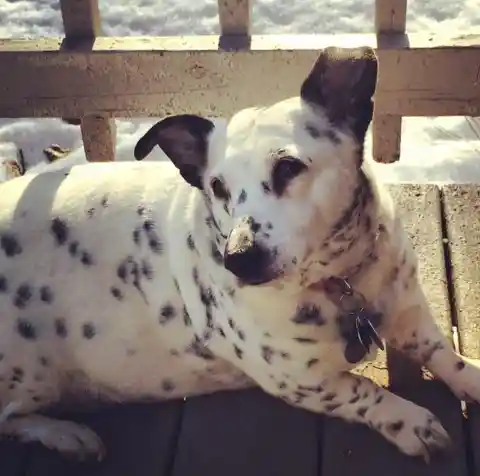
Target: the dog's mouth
pixel 258 281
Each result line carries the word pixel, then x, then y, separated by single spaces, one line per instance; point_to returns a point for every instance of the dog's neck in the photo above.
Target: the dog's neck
pixel 348 250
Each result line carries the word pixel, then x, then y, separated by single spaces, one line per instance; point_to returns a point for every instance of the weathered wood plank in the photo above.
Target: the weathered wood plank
pixel 81 21
pixel 140 441
pixel 462 209
pixel 246 433
pixel 12 458
pixel 235 16
pixel 386 138
pixel 351 450
pixel 390 18
pixel 419 75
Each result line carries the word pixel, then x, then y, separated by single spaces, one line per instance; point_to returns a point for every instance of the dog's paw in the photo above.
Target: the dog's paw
pixel 72 440
pixel 417 433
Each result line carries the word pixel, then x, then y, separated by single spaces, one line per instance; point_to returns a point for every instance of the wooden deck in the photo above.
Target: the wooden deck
pixel 248 433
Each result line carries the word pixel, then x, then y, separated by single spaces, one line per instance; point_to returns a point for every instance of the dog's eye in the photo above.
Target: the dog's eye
pixel 219 189
pixel 284 171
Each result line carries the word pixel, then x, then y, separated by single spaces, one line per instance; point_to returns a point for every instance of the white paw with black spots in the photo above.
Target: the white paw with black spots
pixel 417 432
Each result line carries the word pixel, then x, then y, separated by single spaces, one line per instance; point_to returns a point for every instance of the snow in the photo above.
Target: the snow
pixel 433 149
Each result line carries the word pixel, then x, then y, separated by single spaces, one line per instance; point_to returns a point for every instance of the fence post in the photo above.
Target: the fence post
pixel 81 22
pixel 390 20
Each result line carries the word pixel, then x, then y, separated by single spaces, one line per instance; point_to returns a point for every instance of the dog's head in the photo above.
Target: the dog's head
pixel 276 185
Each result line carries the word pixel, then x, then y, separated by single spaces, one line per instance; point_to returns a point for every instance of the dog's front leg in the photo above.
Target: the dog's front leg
pixel 414 332
pixel 413 429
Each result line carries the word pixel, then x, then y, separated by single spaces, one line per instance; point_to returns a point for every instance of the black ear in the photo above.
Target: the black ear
pixel 184 138
pixel 342 82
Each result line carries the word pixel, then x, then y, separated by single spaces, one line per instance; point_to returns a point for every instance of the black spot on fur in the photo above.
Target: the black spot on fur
pixel 240 334
pixel 73 248
pixel 331 407
pixel 186 317
pixel 116 293
pixel 168 385
pixel 60 327
pixel 104 201
pixel 304 340
pixel 266 187
pixel 428 354
pixel 46 294
pixel 17 375
pixel 26 329
pixel 328 397
pixel 312 130
pixel 86 258
pixel 91 212
pixel 140 210
pixel 308 314
pixel 59 230
pixel 312 362
pixel 44 362
pixel 267 353
pixel 155 245
pixel 362 411
pixel 10 244
pixel 136 236
pixel 395 427
pixel 23 295
pixel 242 197
pixel 460 365
pixel 216 255
pixel 3 284
pixel 167 313
pixel 190 242
pixel 88 330
pixel 147 270
pixel 197 348
pixel 354 399
pixel 238 351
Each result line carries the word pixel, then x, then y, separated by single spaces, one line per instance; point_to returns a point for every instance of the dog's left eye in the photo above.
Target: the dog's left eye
pixel 284 171
pixel 219 189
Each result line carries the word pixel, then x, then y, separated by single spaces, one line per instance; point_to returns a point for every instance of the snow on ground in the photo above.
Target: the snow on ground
pixel 433 149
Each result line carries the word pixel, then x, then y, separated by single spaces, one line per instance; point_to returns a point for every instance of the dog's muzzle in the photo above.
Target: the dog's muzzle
pixel 245 257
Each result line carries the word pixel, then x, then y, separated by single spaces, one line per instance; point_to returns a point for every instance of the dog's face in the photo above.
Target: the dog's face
pixel 273 184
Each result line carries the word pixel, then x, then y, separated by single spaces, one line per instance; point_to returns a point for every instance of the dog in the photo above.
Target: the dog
pixel 266 254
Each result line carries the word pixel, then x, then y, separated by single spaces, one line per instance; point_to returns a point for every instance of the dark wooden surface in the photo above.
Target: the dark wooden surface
pixel 462 212
pixel 250 433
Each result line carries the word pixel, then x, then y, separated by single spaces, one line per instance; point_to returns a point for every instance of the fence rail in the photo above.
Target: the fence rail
pixel 96 78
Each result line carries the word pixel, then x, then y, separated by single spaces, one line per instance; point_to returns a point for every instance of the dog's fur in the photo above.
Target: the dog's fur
pixel 140 281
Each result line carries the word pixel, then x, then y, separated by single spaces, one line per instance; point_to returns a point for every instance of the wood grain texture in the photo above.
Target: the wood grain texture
pixel 247 433
pixel 418 75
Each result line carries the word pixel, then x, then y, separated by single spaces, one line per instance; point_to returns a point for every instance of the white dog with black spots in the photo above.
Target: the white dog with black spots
pixel 264 254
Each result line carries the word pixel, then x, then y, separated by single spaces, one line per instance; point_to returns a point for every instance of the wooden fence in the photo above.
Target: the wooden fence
pixel 96 78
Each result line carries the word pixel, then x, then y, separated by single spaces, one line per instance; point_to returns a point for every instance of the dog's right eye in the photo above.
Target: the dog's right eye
pixel 284 171
pixel 219 189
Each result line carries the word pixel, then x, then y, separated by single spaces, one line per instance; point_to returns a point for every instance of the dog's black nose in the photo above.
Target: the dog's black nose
pixel 250 263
